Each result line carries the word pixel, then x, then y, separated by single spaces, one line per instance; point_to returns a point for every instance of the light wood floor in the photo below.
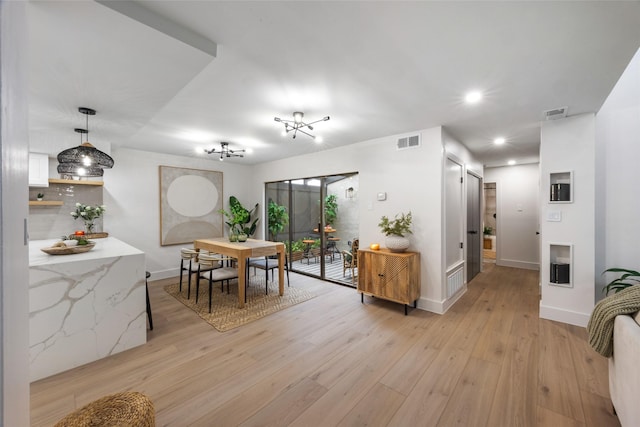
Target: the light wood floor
pixel 331 361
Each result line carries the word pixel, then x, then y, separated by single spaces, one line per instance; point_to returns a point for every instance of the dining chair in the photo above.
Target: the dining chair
pixel 189 263
pixel 214 265
pixel 269 264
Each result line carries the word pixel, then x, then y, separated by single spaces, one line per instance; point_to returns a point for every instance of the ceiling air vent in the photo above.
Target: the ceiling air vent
pixel 556 113
pixel 408 142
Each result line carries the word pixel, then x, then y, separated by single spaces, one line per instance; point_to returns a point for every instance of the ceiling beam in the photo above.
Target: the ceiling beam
pixel 151 19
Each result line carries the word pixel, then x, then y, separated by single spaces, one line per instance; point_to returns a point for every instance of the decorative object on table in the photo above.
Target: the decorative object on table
pixel 395 231
pixel 374 246
pixel 88 214
pixel 297 125
pixel 487 231
pixel 85 159
pixel 190 203
pixel 39 197
pixel 61 248
pixel 225 151
pixel 626 279
pixel 225 314
pixel 239 219
pixel 277 217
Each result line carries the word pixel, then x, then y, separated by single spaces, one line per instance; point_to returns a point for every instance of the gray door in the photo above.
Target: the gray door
pixel 473 226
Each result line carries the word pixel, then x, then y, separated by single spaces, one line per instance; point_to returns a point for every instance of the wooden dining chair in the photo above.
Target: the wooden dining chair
pixel 217 272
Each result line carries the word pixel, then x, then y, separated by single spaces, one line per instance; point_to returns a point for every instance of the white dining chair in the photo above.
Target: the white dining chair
pixel 213 264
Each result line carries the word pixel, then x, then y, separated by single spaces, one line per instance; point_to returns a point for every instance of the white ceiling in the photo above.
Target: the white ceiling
pixel 377 68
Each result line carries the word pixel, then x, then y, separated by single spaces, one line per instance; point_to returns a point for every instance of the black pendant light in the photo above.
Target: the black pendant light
pixel 85 157
pixel 77 170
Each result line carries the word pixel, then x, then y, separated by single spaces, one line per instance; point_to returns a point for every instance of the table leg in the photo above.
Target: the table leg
pixel 242 262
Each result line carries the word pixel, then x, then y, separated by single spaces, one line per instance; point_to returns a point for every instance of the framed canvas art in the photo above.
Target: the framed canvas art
pixel 190 203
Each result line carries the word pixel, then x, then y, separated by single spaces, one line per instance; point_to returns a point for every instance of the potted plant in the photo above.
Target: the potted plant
pixel 88 214
pixel 395 231
pixel 487 231
pixel 277 217
pixel 330 209
pixel 39 197
pixel 238 219
pixel 626 279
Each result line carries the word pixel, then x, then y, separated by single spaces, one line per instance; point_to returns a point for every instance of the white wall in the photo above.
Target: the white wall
pixel 413 182
pixel 618 148
pixel 569 145
pixel 14 142
pixel 132 198
pixel 517 210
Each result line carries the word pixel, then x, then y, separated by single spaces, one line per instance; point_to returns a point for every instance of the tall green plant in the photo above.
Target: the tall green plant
pixel 330 209
pixel 239 217
pixel 278 218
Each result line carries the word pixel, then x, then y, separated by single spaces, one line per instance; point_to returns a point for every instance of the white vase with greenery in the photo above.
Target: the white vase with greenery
pixel 395 231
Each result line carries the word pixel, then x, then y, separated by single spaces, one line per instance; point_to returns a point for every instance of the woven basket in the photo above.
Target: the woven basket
pixel 121 409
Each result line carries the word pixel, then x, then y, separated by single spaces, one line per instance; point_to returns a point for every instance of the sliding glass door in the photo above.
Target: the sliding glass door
pixel 321 223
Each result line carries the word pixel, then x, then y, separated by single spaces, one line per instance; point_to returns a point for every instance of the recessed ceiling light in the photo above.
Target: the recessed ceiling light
pixel 473 97
pixel 511 162
pixel 499 141
pixel 318 139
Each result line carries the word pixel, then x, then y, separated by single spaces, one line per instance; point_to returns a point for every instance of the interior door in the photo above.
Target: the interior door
pixel 473 226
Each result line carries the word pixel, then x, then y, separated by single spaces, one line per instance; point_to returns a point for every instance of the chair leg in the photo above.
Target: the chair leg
pixel 146 285
pixel 287 270
pixel 198 284
pixel 181 270
pixel 189 282
pixel 210 289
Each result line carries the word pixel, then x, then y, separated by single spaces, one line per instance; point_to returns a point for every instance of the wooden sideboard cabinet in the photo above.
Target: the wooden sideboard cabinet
pixel 389 275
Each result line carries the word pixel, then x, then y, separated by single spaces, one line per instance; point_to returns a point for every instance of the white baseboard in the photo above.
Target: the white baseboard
pixel 441 307
pixel 518 264
pixel 165 274
pixel 564 316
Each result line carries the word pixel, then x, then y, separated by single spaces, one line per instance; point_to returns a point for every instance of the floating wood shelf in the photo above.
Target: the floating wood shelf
pixel 74 182
pixel 45 202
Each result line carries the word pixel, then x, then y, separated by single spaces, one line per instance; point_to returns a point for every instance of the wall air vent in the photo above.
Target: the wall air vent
pixel 408 142
pixel 556 113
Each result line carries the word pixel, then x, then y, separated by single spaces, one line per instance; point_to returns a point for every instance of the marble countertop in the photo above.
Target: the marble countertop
pixel 105 248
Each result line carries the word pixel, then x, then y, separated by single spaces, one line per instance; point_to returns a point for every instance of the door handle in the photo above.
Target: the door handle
pixel 473 232
pixel 537 232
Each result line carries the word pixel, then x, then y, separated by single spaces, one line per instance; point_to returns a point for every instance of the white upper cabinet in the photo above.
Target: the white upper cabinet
pixel 38 170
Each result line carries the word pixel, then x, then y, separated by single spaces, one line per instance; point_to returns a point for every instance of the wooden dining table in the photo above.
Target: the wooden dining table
pixel 242 251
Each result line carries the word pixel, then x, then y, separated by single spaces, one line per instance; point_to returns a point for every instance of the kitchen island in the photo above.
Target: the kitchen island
pixel 84 307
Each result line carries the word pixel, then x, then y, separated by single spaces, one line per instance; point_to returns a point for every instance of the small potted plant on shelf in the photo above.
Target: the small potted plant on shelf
pixel 39 197
pixel 395 231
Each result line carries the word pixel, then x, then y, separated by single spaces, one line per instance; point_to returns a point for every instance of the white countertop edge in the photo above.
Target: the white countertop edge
pixel 108 247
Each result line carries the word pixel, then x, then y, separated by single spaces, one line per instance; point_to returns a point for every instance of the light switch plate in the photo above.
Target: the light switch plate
pixel 554 216
pixel 382 196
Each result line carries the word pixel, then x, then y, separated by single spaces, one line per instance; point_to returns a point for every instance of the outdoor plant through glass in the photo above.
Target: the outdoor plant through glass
pixel 278 218
pixel 88 214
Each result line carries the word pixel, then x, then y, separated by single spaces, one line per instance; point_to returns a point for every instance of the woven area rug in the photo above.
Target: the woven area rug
pixel 225 314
